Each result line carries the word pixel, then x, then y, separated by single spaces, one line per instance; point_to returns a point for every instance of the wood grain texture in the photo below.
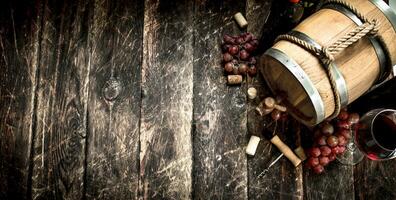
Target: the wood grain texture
pixel 59 143
pixel 337 181
pixel 358 63
pixel 19 52
pixel 114 60
pixel 220 165
pixel 165 136
pixel 375 180
pixel 283 180
pixel 104 99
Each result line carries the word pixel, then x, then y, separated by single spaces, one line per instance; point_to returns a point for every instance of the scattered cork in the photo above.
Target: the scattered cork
pixel 268 105
pixel 252 93
pixel 394 70
pixel 240 19
pixel 263 111
pixel 300 153
pixel 252 145
pixel 280 108
pixel 234 79
pixel 269 102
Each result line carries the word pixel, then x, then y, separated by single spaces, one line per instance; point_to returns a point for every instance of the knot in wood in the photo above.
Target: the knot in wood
pixel 112 89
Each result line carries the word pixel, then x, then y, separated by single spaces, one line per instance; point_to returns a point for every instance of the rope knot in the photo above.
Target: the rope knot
pixel 326 54
pixel 375 27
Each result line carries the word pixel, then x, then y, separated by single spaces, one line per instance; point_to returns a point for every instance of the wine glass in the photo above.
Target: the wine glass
pixel 374 137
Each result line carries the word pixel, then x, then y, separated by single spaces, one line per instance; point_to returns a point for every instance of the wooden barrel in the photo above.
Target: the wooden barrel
pixel 289 68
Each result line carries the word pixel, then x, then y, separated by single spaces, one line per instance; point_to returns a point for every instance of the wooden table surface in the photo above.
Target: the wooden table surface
pixel 103 99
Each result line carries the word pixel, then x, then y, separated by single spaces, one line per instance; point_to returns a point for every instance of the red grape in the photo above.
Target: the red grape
pixel 343 115
pixel 249 47
pixel 228 39
pixel 314 152
pixel 227 57
pixel 275 114
pixel 341 149
pixel 247 37
pixel 325 150
pixel 239 40
pixel 313 161
pixel 321 140
pixel 229 67
pixel 343 124
pixel 252 61
pixel 233 50
pixel 252 71
pixel 341 140
pixel 318 169
pixel 332 157
pixel 353 118
pixel 332 141
pixel 243 69
pixel 335 150
pixel 346 133
pixel 243 54
pixel 324 160
pixel 254 42
pixel 327 129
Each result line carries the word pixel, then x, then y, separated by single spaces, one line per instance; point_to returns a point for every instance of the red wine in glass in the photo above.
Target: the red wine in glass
pixel 376 135
pixel 375 138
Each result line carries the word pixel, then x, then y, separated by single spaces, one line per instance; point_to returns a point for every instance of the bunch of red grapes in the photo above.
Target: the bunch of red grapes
pixel 237 54
pixel 330 139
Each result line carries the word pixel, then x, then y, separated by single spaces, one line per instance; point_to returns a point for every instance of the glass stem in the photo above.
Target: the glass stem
pixel 351 144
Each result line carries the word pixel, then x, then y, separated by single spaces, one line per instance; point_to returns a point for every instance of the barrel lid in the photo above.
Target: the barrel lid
pixel 308 87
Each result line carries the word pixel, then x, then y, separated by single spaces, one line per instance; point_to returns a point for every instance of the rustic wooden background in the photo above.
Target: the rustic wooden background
pixel 103 99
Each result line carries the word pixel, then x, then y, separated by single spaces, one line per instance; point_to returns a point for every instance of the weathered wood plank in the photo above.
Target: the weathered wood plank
pixel 167 84
pixel 375 180
pixel 337 181
pixel 59 143
pixel 220 165
pixel 19 52
pixel 283 180
pixel 115 56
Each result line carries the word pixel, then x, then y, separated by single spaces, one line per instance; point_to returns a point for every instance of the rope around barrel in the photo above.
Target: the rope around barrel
pixel 384 46
pixel 326 54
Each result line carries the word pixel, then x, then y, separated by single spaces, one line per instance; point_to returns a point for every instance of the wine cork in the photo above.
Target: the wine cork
pixel 285 150
pixel 252 93
pixel 240 19
pixel 263 111
pixel 234 79
pixel 300 153
pixel 252 145
pixel 269 102
pixel 280 108
pixel 394 70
